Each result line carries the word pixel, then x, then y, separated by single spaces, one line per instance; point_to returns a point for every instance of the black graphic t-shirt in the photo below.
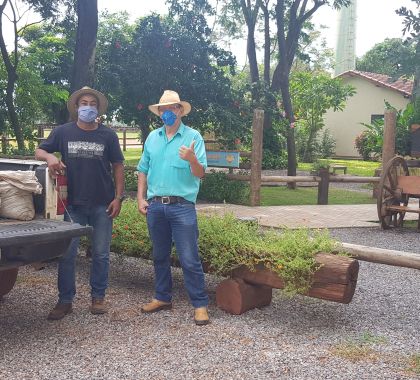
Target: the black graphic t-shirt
pixel 88 156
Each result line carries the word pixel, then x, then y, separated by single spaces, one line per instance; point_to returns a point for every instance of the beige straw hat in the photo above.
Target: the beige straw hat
pixel 170 97
pixel 73 99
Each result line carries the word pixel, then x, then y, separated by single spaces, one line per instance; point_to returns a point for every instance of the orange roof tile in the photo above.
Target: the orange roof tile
pixel 404 86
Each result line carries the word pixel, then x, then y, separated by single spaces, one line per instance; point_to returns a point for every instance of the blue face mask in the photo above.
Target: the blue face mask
pixel 169 118
pixel 88 114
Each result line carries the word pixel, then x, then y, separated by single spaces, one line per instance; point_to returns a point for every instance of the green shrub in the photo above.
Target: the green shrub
pixel 129 233
pixel 325 147
pixel 130 178
pixel 369 143
pixel 271 160
pixel 226 243
pixel 216 187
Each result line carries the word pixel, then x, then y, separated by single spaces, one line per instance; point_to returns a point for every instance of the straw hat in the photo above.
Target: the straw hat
pixel 170 97
pixel 75 96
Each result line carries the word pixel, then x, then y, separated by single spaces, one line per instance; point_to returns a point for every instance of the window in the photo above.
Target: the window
pixel 375 118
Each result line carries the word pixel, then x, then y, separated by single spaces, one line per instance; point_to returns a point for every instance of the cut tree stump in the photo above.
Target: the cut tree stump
pixel 335 280
pixel 235 296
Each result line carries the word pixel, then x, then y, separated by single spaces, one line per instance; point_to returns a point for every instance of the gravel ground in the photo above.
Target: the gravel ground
pixel 300 338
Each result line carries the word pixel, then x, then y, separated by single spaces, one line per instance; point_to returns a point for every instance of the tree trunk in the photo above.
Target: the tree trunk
pixel 144 133
pixel 84 53
pixel 252 55
pixel 267 44
pixel 11 110
pixel 11 81
pixel 307 155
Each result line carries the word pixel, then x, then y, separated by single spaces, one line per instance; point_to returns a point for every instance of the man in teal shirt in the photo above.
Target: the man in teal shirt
pixel 172 163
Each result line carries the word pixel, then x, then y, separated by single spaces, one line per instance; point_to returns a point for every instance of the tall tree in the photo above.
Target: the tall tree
pixel 390 57
pixel 412 29
pixel 15 13
pixel 176 53
pixel 84 53
pixel 290 18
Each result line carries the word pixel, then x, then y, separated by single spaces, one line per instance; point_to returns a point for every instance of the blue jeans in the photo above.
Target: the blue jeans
pixel 177 222
pixel 97 217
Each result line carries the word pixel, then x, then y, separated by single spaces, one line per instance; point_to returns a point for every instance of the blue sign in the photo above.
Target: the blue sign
pixel 223 159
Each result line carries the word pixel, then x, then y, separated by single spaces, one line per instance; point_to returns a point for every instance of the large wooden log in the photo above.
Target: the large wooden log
pixel 335 280
pixel 7 280
pixel 235 296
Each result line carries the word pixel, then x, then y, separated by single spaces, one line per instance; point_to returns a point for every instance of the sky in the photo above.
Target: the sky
pixel 376 20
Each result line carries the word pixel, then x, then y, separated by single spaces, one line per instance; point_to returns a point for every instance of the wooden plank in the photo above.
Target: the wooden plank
pixel 409 184
pixel 354 179
pixel 403 208
pixel 298 179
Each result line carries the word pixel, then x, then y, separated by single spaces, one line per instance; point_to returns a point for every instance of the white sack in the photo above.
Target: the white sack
pixel 16 200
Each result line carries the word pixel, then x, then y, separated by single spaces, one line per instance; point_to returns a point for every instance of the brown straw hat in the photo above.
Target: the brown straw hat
pixel 170 97
pixel 75 96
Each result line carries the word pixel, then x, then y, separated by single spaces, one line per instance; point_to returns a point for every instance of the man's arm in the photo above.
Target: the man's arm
pixel 141 193
pixel 114 207
pixel 118 171
pixel 55 166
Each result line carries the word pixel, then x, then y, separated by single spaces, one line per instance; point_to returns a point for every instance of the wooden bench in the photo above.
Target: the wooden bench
pixel 334 168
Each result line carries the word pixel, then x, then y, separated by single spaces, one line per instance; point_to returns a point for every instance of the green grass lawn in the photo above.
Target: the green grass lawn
pixel 282 196
pixel 132 156
pixel 354 167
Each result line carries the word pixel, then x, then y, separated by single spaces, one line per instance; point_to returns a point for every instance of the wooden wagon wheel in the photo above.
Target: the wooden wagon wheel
pixel 391 195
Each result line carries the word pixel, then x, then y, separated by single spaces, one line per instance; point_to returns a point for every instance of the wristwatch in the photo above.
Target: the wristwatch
pixel 121 198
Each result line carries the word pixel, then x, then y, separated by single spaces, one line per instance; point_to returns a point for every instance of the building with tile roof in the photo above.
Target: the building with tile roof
pixel 368 104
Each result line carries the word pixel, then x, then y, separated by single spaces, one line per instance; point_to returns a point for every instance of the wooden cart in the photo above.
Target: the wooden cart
pixel 397 187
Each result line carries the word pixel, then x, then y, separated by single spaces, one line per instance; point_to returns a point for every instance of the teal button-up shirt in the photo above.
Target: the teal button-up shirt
pixel 167 173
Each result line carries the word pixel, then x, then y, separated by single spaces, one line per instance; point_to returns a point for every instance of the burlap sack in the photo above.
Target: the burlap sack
pixel 16 200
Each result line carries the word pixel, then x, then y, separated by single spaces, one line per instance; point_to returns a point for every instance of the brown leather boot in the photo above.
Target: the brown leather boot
pixel 98 306
pixel 156 305
pixel 201 316
pixel 60 311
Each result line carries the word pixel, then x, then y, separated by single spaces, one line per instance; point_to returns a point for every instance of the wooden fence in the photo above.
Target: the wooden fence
pixel 124 140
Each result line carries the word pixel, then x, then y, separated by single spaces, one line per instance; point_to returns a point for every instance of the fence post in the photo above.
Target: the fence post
pixel 3 144
pixel 40 132
pixel 388 148
pixel 124 139
pixel 324 173
pixel 256 156
pixel 388 145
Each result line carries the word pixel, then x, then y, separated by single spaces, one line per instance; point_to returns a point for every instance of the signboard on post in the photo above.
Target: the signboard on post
pixel 223 159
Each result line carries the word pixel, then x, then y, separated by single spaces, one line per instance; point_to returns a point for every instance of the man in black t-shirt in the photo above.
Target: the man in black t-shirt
pixel 93 162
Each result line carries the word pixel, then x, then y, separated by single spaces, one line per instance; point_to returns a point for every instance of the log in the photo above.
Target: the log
pixel 335 280
pixel 235 296
pixel 383 256
pixel 7 280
